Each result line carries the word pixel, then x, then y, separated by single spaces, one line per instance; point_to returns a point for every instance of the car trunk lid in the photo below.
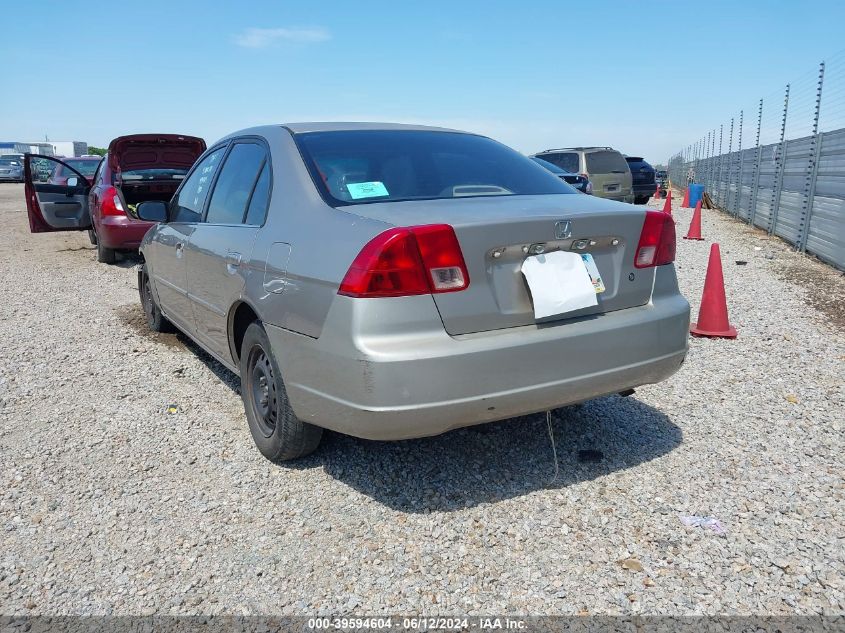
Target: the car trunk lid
pixel 497 233
pixel 148 151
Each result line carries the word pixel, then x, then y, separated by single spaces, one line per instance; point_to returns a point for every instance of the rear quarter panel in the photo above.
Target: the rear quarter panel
pixel 305 246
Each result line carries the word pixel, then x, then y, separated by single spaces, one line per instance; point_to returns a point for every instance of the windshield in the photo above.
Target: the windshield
pixel 154 173
pixel 9 161
pixel 84 167
pixel 360 166
pixel 550 166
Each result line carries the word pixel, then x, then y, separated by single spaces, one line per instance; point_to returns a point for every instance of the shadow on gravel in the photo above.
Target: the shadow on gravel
pixel 133 316
pixel 501 460
pixel 480 464
pixel 127 259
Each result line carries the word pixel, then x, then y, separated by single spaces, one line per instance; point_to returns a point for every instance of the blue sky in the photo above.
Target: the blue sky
pixel 644 77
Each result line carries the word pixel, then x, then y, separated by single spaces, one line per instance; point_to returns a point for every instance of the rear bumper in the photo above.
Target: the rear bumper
pixel 121 232
pixel 389 385
pixel 628 197
pixel 645 190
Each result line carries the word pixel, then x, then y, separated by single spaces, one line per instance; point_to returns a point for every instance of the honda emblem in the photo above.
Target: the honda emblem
pixel 563 229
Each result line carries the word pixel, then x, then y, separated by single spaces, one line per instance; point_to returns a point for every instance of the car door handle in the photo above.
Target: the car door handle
pixel 179 247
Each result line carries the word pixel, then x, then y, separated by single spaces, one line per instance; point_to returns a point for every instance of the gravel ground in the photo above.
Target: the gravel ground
pixel 110 504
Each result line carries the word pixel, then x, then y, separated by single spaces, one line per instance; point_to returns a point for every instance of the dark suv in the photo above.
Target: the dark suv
pixel 642 174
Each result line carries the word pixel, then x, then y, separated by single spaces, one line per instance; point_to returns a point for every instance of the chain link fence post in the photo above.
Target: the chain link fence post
pixel 738 197
pixel 780 163
pixel 812 171
pixel 755 177
pixel 717 185
pixel 729 177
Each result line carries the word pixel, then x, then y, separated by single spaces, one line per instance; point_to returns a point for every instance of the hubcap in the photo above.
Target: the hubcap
pixel 262 391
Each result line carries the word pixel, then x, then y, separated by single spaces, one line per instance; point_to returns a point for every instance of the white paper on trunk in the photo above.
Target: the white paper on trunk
pixel 559 283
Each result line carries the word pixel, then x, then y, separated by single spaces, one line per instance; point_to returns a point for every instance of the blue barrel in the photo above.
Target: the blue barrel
pixel 696 192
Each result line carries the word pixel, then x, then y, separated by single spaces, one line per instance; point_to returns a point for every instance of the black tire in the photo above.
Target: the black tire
pixel 155 319
pixel 105 255
pixel 92 236
pixel 277 432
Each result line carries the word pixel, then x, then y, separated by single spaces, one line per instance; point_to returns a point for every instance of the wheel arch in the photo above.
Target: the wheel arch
pixel 241 314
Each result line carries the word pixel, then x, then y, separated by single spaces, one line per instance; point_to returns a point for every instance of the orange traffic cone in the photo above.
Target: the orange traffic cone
pixel 694 232
pixel 685 203
pixel 713 314
pixel 667 206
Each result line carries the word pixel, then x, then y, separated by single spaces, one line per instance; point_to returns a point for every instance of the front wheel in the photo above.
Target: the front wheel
pixel 277 432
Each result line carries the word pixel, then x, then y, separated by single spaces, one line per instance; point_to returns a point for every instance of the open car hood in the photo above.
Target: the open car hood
pixel 146 151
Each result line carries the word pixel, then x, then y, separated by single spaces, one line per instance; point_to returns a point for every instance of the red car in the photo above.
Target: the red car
pixel 136 169
pixel 85 165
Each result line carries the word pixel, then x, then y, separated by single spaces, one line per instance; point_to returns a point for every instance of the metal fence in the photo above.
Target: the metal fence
pixel 780 164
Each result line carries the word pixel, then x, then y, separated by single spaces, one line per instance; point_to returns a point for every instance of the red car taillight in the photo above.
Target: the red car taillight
pixel 657 240
pixel 407 261
pixel 111 204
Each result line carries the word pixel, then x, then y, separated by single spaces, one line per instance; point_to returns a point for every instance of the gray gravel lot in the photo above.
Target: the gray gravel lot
pixel 110 504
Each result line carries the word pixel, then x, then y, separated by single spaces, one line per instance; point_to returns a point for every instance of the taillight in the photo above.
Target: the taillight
pixel 657 240
pixel 111 204
pixel 407 261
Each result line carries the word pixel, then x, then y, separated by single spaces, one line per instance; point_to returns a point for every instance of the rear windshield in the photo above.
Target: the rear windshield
pixel 360 166
pixel 568 161
pixel 606 162
pixel 155 173
pixel 84 167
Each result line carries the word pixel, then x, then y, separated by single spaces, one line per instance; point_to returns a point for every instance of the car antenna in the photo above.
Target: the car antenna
pixel 552 439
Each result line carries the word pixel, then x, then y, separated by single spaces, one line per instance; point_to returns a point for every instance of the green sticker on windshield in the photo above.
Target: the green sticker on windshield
pixel 360 190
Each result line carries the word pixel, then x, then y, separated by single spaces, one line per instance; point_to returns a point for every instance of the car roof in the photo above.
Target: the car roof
pixel 338 126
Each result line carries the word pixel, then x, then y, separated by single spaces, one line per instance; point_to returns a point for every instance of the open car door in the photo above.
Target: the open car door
pixel 52 206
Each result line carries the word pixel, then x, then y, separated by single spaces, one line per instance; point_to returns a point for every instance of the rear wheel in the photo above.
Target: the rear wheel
pixel 92 236
pixel 155 319
pixel 105 255
pixel 277 432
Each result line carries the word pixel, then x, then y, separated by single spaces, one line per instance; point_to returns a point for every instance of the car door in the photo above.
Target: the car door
pixel 219 251
pixel 166 260
pixel 53 207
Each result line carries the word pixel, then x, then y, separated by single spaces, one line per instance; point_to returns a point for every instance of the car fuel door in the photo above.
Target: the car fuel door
pixel 52 206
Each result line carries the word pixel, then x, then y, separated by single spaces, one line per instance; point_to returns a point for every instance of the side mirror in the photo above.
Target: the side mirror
pixel 152 211
pixel 73 181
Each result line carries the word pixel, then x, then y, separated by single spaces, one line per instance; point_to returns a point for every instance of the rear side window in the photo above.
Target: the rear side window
pixel 362 166
pixel 565 160
pixel 195 190
pixel 606 162
pixel 260 197
pixel 235 184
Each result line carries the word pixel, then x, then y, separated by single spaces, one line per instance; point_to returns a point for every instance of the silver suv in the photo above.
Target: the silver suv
pixel 606 168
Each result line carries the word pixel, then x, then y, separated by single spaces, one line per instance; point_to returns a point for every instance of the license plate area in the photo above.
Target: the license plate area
pixel 561 282
pixel 593 272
